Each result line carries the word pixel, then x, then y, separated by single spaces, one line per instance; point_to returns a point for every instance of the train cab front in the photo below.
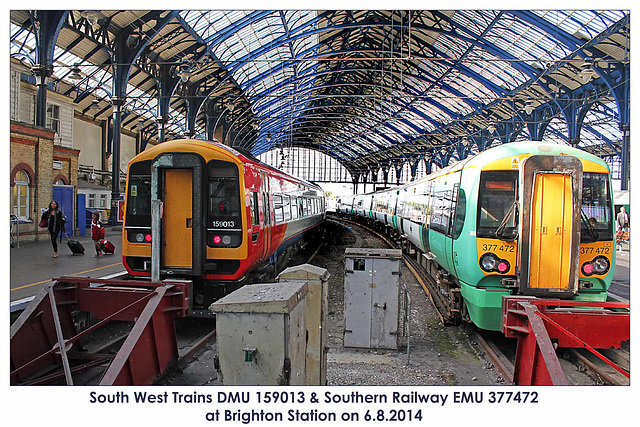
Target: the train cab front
pixel 544 229
pixel 196 231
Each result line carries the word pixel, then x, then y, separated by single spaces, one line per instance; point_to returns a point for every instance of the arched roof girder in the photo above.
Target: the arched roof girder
pixel 349 106
pixel 452 64
pixel 394 100
pixel 346 106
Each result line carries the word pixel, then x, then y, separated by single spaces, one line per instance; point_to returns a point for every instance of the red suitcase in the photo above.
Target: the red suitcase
pixel 107 247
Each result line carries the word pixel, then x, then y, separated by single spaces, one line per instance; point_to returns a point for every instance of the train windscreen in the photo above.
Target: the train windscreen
pixel 496 200
pixel 139 195
pixel 224 215
pixel 597 220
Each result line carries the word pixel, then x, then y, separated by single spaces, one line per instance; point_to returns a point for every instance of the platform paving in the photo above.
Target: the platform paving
pixel 31 265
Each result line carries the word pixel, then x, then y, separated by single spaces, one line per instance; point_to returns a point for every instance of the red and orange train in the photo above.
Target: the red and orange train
pixel 226 217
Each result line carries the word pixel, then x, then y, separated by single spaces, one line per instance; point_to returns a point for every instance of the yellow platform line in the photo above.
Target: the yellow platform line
pixel 74 274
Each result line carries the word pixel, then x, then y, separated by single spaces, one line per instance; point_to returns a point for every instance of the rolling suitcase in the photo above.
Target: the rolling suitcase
pixel 75 246
pixel 107 247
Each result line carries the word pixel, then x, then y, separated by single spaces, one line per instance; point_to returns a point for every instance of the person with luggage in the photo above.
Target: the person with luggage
pixel 97 232
pixel 53 219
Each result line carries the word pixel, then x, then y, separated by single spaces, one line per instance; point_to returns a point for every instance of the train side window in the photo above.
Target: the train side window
pixel 294 208
pixel 286 206
pixel 306 206
pixel 278 209
pixel 253 201
pixel 461 210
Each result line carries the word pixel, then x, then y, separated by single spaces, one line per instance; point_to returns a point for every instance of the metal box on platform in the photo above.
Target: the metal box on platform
pixel 261 335
pixel 315 318
pixel 372 297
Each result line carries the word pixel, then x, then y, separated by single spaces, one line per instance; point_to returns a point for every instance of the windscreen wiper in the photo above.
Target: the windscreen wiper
pixel 501 232
pixel 593 233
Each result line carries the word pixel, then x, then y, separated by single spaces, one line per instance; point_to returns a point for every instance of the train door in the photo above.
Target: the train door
pixel 550 224
pixel 178 215
pixel 266 214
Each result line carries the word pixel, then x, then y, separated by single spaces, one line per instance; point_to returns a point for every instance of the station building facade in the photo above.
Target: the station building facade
pixel 46 162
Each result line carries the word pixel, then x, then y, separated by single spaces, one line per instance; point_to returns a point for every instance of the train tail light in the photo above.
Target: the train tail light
pixel 503 267
pixel 216 239
pixel 147 238
pixel 490 262
pixel 599 265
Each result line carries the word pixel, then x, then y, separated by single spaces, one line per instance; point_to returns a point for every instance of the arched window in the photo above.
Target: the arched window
pixel 21 195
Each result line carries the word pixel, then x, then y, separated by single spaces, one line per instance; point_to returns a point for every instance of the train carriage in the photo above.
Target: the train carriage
pixel 526 218
pixel 224 215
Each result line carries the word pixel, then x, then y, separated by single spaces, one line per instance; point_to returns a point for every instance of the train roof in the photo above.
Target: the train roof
pixel 243 155
pixel 528 147
pixel 501 151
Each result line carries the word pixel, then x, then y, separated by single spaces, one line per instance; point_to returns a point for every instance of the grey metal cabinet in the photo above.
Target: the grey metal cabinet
pixel 372 297
pixel 261 335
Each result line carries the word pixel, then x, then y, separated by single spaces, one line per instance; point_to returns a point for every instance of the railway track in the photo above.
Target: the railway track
pixel 495 350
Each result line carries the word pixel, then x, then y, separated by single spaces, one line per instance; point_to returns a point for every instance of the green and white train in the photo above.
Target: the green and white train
pixel 526 218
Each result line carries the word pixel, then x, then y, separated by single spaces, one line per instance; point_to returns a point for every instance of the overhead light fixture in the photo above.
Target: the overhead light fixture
pixel 491 128
pixel 75 73
pixel 92 16
pixel 184 72
pixel 529 107
pixel 587 71
pixel 268 138
pixel 95 105
pixel 230 106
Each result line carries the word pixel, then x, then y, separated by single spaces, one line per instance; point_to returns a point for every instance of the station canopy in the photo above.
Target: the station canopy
pixel 370 88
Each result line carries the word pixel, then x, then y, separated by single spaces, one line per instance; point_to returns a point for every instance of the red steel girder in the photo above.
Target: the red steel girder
pixel 570 324
pixel 43 336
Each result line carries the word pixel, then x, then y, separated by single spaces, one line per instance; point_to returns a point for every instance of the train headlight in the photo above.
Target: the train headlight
pixel 488 262
pixel 600 265
pixel 139 237
pixel 226 240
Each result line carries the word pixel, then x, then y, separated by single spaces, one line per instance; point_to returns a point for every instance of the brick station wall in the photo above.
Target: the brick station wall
pixel 33 150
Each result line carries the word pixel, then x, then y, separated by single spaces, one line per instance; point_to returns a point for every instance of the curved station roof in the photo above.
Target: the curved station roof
pixel 371 88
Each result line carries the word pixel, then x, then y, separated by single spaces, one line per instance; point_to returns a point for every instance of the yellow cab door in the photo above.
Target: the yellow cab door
pixel 178 213
pixel 548 252
pixel 551 217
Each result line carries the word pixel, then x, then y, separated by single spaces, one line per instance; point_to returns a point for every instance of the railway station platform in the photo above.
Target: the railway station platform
pixel 31 265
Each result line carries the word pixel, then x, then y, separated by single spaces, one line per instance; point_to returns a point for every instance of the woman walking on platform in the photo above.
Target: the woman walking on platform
pixel 55 223
pixel 97 232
